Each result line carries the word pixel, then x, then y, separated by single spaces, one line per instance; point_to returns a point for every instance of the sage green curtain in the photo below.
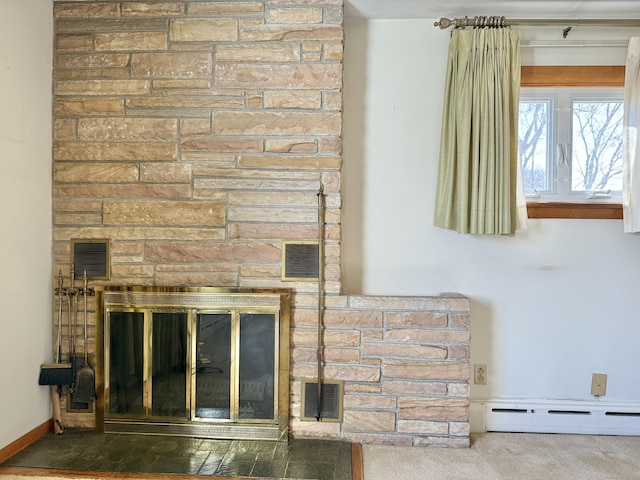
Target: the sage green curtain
pixel 478 169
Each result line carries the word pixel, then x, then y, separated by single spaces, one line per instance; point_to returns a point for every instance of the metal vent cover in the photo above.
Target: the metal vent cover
pixel 91 256
pixel 331 396
pixel 300 261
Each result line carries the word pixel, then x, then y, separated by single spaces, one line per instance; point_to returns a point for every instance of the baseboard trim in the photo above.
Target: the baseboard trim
pixel 574 417
pixel 25 440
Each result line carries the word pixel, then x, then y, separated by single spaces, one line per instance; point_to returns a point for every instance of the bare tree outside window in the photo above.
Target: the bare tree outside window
pixel 571 146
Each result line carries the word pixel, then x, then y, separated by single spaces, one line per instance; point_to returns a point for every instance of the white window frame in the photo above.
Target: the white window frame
pixel 558 172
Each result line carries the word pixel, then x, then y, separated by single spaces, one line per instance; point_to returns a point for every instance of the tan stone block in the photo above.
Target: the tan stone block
pixel 459 320
pixel 131 41
pixel 415 388
pixel 343 318
pixel 290 162
pixel 272 199
pixel 165 172
pixel 369 335
pixel 254 100
pixel 263 231
pixel 176 65
pixel 97 60
pixel 102 87
pixel 246 175
pixel 302 100
pixel 353 373
pixel 95 173
pixel 77 219
pixel 86 10
pixel 113 151
pixel 128 129
pixel 370 402
pixel 73 42
pixel 132 271
pixel 313 429
pixel 420 441
pixel 444 409
pixel 422 304
pixel 256 184
pixel 333 338
pixel 341 355
pixel 64 129
pixel 459 429
pixel 104 73
pixel 291 34
pixel 181 252
pixel 312 47
pixel 88 106
pixel 274 53
pixel 171 104
pixel 272 214
pixel 427 336
pixel 228 8
pixel 217 144
pixel 362 421
pixel 423 427
pixel 407 369
pixel 129 234
pixel 332 101
pixel 219 279
pixel 204 30
pixel 401 350
pixel 459 352
pixel 415 319
pixel 195 126
pixel 291 146
pixel 333 52
pixel 122 191
pixel 127 248
pixel 311 56
pixel 458 389
pixel 77 206
pixel 361 388
pixel 330 145
pixel 154 9
pixel 378 439
pixel 294 15
pixel 158 213
pixel 183 84
pixel 276 123
pixel 278 76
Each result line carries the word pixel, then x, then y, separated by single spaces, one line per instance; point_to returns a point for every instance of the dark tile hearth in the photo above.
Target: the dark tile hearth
pixel 86 451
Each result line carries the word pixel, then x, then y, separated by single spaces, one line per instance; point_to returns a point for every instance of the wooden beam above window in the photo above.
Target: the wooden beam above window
pixel 572 76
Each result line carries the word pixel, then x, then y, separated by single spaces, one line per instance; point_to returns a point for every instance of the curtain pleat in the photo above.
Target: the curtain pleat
pixel 631 169
pixel 478 169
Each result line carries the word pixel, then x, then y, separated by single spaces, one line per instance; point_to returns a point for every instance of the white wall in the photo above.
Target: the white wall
pixel 25 213
pixel 551 305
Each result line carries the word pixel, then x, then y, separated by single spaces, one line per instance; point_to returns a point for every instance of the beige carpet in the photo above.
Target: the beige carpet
pixel 498 456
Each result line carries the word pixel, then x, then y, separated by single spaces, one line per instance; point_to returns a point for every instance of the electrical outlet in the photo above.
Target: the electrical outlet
pixel 479 374
pixel 598 384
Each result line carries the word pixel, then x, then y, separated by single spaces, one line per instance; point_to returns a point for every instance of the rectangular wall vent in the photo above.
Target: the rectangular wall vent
pixel 91 256
pixel 300 261
pixel 331 395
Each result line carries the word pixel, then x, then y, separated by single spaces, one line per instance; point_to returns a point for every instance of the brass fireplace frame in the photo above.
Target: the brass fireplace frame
pixel 197 299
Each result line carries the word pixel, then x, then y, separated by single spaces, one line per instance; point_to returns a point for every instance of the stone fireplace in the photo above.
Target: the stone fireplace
pixel 194 136
pixel 206 362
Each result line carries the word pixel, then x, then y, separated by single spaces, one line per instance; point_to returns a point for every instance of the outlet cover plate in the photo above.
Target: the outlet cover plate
pixel 599 384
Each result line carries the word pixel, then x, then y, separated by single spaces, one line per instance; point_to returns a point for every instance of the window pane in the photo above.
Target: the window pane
pixel 533 141
pixel 597 148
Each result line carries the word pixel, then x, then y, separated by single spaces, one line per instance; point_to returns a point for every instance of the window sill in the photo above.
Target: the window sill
pixel 601 211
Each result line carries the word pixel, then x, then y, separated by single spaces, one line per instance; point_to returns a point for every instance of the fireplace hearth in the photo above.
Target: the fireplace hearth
pixel 193 361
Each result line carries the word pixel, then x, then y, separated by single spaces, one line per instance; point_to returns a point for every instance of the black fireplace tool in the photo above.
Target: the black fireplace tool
pixel 85 388
pixel 57 374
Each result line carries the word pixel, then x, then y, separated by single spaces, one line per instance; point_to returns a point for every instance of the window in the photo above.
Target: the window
pixel 570 141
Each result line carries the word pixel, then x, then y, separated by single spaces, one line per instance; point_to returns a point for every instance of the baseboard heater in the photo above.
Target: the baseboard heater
pixel 562 417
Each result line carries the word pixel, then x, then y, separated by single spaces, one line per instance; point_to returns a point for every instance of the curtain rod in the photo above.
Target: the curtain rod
pixel 498 21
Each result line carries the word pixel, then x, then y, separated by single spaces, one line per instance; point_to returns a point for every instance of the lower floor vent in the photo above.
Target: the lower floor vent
pixel 329 400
